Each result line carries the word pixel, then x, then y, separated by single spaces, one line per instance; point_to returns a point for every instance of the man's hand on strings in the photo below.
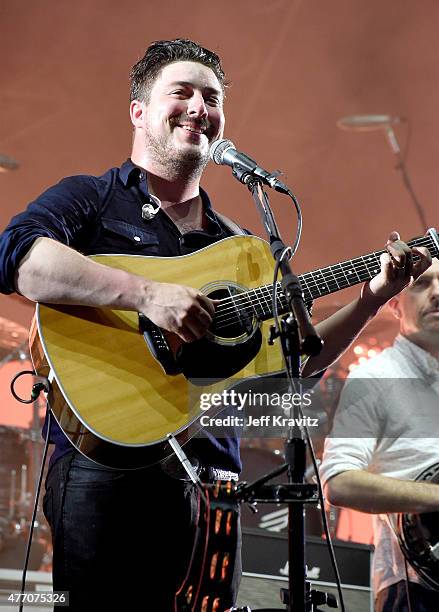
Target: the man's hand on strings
pixel 400 265
pixel 179 309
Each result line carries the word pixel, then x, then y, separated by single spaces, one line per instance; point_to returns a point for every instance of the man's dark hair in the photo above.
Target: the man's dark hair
pixel 164 52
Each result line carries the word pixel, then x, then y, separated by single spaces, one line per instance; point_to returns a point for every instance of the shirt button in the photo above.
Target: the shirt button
pixel 141 176
pixel 137 238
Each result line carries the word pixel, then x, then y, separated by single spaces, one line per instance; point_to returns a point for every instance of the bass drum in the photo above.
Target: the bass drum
pixel 256 462
pixel 418 536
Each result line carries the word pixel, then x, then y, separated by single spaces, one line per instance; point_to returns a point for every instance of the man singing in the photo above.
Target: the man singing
pixel 125 538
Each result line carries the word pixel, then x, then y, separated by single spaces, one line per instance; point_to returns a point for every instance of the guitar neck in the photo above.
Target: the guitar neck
pixel 331 279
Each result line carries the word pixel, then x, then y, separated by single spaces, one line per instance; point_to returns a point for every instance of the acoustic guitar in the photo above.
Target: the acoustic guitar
pixel 418 536
pixel 119 384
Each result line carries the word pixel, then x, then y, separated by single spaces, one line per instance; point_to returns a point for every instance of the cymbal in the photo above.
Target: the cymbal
pixel 7 163
pixel 12 336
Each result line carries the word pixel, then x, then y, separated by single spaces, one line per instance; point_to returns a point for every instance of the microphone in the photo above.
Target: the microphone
pixel 368 122
pixel 223 152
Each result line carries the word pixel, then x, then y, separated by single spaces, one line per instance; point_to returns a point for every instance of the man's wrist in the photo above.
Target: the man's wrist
pixel 373 302
pixel 141 292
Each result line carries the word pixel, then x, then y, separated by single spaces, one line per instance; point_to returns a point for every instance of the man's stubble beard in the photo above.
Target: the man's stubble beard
pixel 177 163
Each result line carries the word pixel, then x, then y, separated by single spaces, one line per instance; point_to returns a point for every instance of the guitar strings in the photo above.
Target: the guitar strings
pixel 245 301
pixel 359 264
pixel 328 272
pixel 360 269
pixel 260 304
pixel 362 266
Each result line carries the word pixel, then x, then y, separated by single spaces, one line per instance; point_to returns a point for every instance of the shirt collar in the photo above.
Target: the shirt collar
pixel 419 357
pixel 131 174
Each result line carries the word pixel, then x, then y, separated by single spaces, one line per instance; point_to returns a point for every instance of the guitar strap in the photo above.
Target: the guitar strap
pixel 231 225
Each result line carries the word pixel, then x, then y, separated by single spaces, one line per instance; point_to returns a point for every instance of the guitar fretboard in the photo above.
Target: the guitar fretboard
pixel 315 284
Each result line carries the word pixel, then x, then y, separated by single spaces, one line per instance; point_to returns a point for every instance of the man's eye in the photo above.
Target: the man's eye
pixel 419 284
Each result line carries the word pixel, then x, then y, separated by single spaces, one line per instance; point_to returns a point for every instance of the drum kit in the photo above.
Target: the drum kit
pixel 20 459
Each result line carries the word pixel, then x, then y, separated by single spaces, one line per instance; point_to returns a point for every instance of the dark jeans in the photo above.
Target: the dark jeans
pixel 394 598
pixel 121 539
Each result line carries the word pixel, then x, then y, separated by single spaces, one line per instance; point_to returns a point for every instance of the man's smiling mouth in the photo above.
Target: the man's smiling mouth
pixel 193 129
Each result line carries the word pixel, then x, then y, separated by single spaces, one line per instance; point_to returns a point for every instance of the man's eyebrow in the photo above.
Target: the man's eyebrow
pixel 209 89
pixel 421 279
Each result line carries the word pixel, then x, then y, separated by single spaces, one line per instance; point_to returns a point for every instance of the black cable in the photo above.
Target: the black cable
pixel 323 514
pixel 407 586
pixel 322 505
pixel 16 377
pixel 41 384
pixel 34 512
pixel 299 224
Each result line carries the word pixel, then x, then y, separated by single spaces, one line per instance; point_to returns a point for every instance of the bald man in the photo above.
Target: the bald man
pixel 385 434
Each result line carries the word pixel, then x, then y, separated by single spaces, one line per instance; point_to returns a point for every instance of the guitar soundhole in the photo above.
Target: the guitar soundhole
pixel 234 320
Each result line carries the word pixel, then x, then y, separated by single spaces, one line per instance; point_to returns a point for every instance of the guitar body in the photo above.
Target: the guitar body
pixel 418 536
pixel 109 394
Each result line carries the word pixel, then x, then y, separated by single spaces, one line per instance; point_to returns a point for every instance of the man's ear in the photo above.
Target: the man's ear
pixel 394 307
pixel 137 112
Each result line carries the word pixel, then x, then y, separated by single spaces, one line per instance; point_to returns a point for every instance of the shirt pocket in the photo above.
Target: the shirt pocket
pixel 126 238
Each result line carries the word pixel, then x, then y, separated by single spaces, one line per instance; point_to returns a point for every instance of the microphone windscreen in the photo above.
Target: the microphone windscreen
pixel 218 148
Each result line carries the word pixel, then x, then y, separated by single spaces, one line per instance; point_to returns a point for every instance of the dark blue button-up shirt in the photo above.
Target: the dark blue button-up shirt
pixel 103 215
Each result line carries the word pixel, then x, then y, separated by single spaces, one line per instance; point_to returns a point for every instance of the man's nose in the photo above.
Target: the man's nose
pixel 434 288
pixel 197 106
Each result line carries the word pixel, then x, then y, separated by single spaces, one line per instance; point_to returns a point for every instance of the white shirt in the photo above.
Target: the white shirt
pixel 388 427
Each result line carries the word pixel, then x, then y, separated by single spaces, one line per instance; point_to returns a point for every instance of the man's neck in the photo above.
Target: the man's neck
pixel 429 343
pixel 169 184
pixel 179 196
pixel 188 215
pixel 172 191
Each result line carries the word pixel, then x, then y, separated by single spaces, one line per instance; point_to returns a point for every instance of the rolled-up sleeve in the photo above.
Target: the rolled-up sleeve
pixel 66 212
pixel 357 425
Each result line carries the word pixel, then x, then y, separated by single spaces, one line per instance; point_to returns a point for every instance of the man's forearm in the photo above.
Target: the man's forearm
pixel 340 329
pixel 378 494
pixel 53 273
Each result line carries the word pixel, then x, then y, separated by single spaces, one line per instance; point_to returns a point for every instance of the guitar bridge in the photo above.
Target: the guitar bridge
pixel 158 346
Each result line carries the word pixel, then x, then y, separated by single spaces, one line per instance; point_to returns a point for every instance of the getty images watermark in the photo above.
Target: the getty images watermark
pixel 249 410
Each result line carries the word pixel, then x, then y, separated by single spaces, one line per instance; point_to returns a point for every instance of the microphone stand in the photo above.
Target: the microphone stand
pixel 297 336
pixel 400 165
